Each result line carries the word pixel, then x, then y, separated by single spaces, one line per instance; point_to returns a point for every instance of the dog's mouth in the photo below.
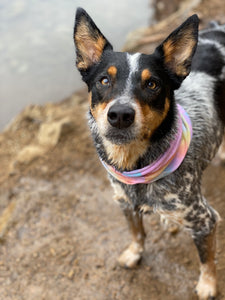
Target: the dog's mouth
pixel 120 136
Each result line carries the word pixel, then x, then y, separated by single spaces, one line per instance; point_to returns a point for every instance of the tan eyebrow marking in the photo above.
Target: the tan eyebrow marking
pixel 145 75
pixel 112 71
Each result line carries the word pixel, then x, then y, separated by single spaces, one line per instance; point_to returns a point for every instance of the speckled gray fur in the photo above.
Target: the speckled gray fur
pixel 180 192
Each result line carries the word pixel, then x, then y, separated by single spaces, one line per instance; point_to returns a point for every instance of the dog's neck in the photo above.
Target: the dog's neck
pixel 167 163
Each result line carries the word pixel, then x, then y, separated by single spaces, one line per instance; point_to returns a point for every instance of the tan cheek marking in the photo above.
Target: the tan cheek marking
pixel 145 75
pixel 152 119
pixel 98 110
pixel 112 71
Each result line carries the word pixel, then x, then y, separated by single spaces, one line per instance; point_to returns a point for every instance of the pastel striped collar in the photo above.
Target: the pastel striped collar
pixel 167 162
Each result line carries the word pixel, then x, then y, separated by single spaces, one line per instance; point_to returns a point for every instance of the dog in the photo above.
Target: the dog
pixel 157 121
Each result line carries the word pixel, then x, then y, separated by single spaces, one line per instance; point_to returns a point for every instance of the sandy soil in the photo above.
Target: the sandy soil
pixel 60 231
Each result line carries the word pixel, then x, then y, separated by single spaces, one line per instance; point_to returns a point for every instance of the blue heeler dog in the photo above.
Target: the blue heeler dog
pixel 157 121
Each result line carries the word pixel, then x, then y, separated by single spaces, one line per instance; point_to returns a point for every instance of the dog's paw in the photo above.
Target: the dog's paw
pixel 131 256
pixel 206 287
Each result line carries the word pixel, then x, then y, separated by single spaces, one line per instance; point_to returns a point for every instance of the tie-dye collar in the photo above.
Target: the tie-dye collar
pixel 166 163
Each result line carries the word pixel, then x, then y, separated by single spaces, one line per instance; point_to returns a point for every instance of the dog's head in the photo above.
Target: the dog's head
pixel 131 95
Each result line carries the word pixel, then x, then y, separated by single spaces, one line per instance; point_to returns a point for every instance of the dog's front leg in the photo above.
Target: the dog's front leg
pixel 207 286
pixel 206 246
pixel 132 255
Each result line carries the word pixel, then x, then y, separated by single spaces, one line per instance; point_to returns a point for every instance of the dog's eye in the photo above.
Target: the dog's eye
pixel 104 81
pixel 151 85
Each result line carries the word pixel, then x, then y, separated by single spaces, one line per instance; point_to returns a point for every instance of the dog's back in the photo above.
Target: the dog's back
pixel 213 41
pixel 202 94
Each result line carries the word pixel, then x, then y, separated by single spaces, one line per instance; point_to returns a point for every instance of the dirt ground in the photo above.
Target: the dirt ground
pixel 60 231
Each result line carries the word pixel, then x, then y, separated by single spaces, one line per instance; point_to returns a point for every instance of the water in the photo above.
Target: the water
pixel 36 47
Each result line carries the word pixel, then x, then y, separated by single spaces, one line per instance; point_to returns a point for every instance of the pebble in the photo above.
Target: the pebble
pixel 52 251
pixel 71 274
pixel 35 255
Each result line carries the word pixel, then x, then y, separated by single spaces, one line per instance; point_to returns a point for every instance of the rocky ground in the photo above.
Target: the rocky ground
pixel 60 231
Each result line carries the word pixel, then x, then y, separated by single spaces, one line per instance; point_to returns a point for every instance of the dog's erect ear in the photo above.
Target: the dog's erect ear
pixel 89 41
pixel 179 47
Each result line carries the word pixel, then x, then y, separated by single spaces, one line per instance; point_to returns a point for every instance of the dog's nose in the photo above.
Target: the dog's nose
pixel 121 116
